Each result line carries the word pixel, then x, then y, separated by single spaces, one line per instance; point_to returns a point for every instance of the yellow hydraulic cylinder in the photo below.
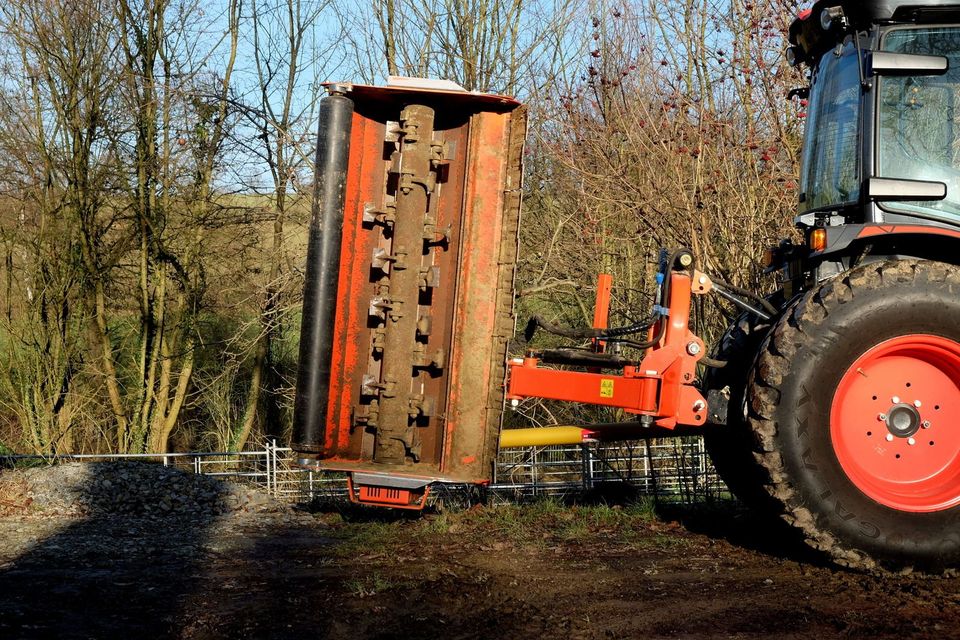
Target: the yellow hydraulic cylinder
pixel 543 436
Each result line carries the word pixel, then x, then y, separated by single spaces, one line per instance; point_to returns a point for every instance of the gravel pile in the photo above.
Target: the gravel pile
pixel 125 489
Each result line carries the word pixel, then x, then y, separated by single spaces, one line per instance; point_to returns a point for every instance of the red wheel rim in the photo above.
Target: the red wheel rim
pixel 892 423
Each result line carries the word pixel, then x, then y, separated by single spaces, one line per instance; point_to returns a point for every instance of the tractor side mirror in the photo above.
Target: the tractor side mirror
pixel 886 63
pixel 894 190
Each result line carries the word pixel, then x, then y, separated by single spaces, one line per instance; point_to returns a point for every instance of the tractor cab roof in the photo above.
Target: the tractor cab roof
pixel 824 25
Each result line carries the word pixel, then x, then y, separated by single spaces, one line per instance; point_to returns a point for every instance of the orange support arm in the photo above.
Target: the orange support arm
pixel 528 380
pixel 601 308
pixel 660 387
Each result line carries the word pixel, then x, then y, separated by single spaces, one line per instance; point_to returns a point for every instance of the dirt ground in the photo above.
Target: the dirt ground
pixel 540 570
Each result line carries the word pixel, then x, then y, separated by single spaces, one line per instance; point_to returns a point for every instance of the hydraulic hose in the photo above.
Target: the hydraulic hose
pixel 763 302
pixel 536 321
pixel 617 334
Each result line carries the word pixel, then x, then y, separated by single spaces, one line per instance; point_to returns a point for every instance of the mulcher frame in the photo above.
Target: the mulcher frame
pixel 430 208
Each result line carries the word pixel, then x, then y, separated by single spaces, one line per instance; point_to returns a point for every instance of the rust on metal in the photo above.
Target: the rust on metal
pixel 413 185
pixel 426 283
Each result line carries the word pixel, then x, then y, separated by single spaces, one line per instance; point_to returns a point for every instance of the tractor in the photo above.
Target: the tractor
pixel 843 407
pixel 834 402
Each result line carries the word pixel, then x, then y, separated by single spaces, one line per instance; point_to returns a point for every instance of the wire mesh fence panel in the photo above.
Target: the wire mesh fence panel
pixel 676 469
pixel 295 484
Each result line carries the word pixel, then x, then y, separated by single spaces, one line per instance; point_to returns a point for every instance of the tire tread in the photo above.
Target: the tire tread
pixel 795 329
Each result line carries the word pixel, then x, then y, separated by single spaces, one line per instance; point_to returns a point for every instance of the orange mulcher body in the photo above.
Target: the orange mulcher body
pixel 409 289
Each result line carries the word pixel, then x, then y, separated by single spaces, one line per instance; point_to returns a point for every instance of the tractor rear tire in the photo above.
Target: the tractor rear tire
pixel 730 445
pixel 854 404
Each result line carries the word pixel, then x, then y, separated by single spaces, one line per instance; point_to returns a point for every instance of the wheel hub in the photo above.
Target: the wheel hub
pixel 911 386
pixel 903 420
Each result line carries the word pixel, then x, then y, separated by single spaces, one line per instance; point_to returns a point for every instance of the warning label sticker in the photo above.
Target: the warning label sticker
pixel 606 388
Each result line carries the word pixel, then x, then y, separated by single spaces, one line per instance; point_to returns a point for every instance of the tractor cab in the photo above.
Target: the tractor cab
pixel 882 143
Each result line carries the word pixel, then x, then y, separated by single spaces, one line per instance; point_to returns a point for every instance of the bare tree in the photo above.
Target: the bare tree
pixel 57 127
pixel 675 130
pixel 505 46
pixel 170 273
pixel 277 107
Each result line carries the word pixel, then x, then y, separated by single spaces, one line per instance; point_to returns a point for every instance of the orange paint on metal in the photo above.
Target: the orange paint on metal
pixel 660 386
pixel 578 386
pixel 651 396
pixel 601 309
pixel 892 423
pixel 476 298
pixel 870 231
pixel 375 496
pixel 363 176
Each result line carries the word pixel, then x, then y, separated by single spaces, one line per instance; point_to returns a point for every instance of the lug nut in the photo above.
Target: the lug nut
pixel 911 441
pixel 693 348
pixel 916 403
pixel 895 399
pixel 889 437
pixel 926 424
pixel 882 417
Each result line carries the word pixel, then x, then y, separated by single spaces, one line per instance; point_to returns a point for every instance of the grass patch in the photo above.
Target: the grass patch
pixel 365 538
pixel 369 586
pixel 540 524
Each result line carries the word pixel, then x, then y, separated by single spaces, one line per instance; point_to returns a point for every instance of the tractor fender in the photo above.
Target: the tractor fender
pixel 870 242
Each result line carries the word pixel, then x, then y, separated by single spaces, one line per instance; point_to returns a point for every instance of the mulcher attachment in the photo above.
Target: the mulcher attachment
pixel 403 372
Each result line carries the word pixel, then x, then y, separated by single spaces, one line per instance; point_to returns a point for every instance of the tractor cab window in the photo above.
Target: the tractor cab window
pixel 831 162
pixel 919 136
